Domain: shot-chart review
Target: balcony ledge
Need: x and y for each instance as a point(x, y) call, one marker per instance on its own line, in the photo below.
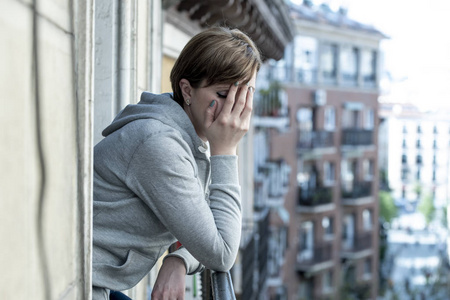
point(280, 123)
point(315, 209)
point(357, 150)
point(312, 269)
point(315, 153)
point(357, 201)
point(356, 255)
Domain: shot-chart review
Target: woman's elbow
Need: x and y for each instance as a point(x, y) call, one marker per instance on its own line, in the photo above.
point(221, 264)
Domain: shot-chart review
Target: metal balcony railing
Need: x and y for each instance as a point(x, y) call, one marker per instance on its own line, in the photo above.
point(357, 137)
point(359, 243)
point(305, 75)
point(358, 189)
point(318, 254)
point(314, 197)
point(217, 286)
point(315, 139)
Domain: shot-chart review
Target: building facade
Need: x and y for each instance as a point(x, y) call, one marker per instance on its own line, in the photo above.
point(414, 153)
point(327, 101)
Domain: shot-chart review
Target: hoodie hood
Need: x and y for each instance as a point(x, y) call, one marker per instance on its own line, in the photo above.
point(161, 107)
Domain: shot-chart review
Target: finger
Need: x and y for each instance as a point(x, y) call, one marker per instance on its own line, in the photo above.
point(210, 113)
point(247, 111)
point(229, 102)
point(241, 99)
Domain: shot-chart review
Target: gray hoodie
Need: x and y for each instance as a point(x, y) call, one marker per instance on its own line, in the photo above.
point(154, 185)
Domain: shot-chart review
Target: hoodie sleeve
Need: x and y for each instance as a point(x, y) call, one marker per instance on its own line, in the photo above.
point(163, 173)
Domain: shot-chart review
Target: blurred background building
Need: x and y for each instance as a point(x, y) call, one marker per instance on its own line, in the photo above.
point(319, 106)
point(67, 69)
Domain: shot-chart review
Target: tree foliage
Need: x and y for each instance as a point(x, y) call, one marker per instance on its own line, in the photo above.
point(388, 210)
point(426, 207)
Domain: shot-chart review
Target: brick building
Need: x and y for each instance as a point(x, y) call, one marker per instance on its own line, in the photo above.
point(324, 93)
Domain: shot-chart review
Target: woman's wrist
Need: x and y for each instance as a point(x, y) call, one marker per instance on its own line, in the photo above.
point(175, 262)
point(223, 151)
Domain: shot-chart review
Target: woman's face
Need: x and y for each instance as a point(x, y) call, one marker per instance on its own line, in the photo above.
point(201, 98)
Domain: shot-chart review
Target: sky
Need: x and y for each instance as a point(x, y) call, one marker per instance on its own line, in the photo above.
point(417, 52)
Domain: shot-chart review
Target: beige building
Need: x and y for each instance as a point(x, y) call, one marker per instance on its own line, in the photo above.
point(68, 67)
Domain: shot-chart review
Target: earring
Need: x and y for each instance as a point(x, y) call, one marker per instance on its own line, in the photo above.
point(188, 102)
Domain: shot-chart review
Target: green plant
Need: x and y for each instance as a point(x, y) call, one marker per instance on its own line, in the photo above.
point(388, 210)
point(426, 207)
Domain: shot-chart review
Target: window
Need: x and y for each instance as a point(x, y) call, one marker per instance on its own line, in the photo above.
point(330, 118)
point(418, 174)
point(306, 241)
point(404, 144)
point(404, 159)
point(327, 224)
point(305, 59)
point(367, 219)
point(368, 66)
point(370, 119)
point(327, 281)
point(367, 269)
point(349, 59)
point(348, 231)
point(368, 166)
point(306, 288)
point(419, 159)
point(329, 171)
point(305, 119)
point(418, 144)
point(329, 62)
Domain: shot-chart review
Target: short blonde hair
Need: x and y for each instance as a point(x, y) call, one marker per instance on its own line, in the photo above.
point(216, 55)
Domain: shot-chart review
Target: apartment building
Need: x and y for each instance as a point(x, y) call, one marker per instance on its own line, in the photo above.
point(323, 96)
point(69, 68)
point(414, 153)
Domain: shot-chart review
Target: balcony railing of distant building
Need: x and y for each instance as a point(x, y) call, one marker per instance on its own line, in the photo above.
point(349, 79)
point(308, 258)
point(263, 255)
point(254, 260)
point(268, 101)
point(315, 139)
point(356, 189)
point(248, 267)
point(315, 196)
point(359, 242)
point(270, 108)
point(357, 137)
point(273, 184)
point(306, 76)
point(329, 77)
point(369, 80)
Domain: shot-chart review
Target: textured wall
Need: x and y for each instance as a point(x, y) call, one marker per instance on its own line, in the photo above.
point(45, 156)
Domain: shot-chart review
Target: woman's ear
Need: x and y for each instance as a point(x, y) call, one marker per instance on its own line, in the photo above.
point(186, 89)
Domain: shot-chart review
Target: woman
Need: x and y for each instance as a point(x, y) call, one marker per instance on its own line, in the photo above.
point(154, 180)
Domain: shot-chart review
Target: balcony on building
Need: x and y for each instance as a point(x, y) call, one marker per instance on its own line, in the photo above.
point(311, 140)
point(316, 258)
point(270, 107)
point(357, 246)
point(271, 183)
point(254, 257)
point(305, 75)
point(315, 200)
point(356, 192)
point(357, 137)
